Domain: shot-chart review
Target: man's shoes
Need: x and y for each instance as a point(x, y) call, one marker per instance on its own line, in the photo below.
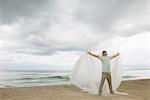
point(100, 93)
point(112, 92)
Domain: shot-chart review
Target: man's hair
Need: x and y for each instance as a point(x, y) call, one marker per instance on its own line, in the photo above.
point(104, 52)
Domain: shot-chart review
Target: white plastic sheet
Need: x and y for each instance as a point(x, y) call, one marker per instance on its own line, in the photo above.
point(87, 71)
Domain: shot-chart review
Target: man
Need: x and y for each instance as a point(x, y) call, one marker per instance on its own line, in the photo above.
point(106, 74)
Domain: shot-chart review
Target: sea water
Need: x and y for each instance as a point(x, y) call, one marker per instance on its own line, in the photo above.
point(27, 78)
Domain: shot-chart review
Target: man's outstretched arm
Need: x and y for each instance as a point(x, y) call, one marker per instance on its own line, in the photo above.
point(94, 55)
point(114, 56)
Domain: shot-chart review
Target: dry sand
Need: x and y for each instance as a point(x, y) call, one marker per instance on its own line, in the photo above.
point(137, 90)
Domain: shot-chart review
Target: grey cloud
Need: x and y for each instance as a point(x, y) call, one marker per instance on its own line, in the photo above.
point(13, 10)
point(43, 24)
point(101, 15)
point(40, 47)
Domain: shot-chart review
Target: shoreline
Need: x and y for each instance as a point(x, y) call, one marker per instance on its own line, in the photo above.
point(62, 82)
point(136, 89)
point(45, 78)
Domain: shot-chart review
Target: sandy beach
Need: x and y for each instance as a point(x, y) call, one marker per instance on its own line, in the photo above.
point(136, 89)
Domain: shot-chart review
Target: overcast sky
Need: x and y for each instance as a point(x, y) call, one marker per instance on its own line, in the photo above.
point(55, 32)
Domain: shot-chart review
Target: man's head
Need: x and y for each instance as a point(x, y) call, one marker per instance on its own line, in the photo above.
point(104, 53)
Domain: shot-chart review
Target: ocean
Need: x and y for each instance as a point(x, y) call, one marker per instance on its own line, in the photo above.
point(29, 78)
point(26, 78)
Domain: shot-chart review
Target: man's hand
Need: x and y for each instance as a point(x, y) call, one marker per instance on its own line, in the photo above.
point(88, 52)
point(94, 55)
point(115, 55)
point(118, 54)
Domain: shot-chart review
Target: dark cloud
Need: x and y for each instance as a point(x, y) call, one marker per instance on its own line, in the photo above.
point(14, 10)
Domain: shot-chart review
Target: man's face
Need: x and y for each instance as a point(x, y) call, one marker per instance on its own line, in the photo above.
point(104, 53)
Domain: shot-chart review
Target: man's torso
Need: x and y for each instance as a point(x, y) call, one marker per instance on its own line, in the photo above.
point(105, 60)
